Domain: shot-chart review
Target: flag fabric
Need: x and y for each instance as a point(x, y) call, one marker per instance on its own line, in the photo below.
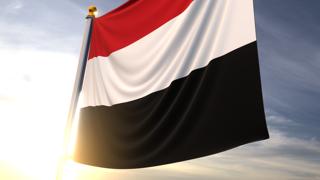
point(168, 81)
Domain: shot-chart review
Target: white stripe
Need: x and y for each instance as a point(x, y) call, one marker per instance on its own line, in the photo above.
point(207, 29)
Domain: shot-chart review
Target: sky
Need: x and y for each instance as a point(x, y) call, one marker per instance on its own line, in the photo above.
point(39, 47)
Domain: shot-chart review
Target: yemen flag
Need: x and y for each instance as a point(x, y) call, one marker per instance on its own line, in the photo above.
point(168, 81)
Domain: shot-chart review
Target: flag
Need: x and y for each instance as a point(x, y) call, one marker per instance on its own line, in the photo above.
point(168, 81)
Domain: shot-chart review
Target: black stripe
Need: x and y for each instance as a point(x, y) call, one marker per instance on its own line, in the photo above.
point(213, 109)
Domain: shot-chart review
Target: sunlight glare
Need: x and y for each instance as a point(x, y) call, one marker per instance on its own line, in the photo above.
point(34, 99)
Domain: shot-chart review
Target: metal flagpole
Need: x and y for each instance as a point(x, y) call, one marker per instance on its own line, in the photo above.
point(76, 90)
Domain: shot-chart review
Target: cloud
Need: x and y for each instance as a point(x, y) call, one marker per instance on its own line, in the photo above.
point(280, 120)
point(290, 66)
point(13, 7)
point(41, 25)
point(32, 33)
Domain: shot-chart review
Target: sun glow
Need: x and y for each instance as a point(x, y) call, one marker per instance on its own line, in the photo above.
point(35, 92)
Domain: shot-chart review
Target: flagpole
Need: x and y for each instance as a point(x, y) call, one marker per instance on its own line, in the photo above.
point(76, 89)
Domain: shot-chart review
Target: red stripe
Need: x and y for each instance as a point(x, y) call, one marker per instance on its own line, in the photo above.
point(130, 22)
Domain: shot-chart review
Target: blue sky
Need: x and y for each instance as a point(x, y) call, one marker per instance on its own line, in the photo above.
point(39, 46)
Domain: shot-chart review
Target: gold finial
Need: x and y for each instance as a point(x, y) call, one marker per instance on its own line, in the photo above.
point(92, 11)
